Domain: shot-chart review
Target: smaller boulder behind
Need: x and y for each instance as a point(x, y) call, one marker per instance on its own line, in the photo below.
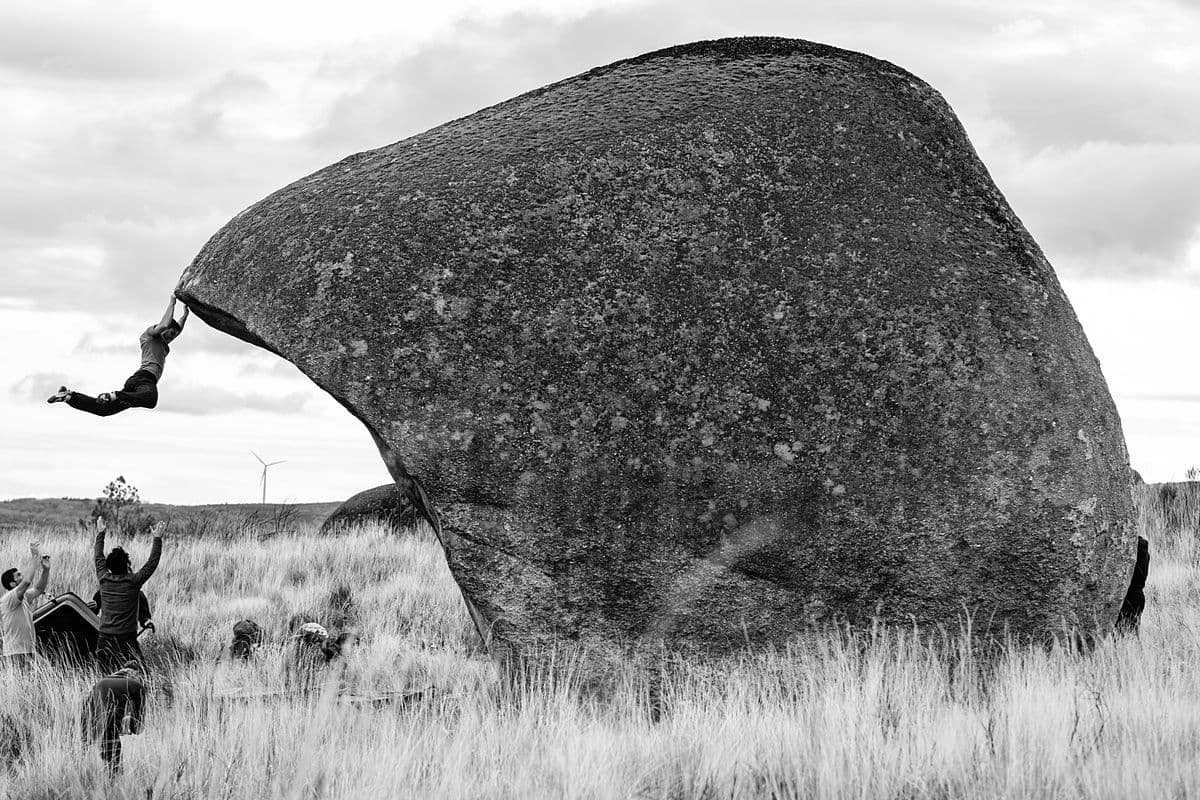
point(386, 505)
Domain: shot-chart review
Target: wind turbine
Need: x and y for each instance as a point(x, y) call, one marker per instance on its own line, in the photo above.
point(264, 475)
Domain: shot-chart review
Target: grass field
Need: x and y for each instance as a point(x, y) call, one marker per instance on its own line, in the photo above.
point(23, 514)
point(873, 715)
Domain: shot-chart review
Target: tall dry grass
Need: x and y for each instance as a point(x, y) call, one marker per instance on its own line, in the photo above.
point(878, 714)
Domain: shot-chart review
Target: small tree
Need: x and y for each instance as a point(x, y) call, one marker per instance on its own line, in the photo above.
point(120, 495)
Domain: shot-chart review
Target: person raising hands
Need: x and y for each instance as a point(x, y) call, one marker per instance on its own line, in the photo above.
point(119, 592)
point(16, 606)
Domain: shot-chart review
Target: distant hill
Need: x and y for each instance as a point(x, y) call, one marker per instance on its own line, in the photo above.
point(65, 512)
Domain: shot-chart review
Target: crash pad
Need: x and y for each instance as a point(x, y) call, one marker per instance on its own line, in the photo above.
point(66, 627)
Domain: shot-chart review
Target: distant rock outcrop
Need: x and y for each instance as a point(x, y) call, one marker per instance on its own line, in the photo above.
point(385, 505)
point(701, 347)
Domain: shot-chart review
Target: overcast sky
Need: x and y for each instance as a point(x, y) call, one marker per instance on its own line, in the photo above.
point(131, 131)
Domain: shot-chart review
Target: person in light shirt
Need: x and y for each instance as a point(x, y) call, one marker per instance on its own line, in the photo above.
point(16, 607)
point(141, 388)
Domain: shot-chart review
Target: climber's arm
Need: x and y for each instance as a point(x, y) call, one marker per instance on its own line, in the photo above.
point(167, 318)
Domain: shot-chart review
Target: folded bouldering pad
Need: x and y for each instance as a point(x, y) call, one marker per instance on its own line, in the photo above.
point(66, 627)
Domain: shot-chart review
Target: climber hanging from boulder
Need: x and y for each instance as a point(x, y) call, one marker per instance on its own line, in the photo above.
point(141, 388)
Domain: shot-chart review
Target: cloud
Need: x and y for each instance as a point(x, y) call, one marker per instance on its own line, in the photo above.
point(193, 400)
point(97, 344)
point(1166, 397)
point(207, 115)
point(479, 64)
point(35, 388)
point(111, 206)
point(1113, 209)
point(54, 42)
point(273, 367)
point(1065, 101)
point(1128, 75)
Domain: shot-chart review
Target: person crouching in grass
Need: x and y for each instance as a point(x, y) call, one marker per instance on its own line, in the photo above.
point(114, 706)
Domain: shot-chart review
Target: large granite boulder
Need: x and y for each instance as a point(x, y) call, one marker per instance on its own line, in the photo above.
point(702, 347)
point(387, 505)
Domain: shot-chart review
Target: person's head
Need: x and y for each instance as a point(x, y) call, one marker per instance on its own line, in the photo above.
point(130, 669)
point(10, 578)
point(247, 635)
point(171, 332)
point(117, 561)
point(312, 633)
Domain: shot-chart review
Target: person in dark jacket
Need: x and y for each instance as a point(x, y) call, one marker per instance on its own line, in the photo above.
point(1130, 615)
point(114, 706)
point(144, 616)
point(119, 592)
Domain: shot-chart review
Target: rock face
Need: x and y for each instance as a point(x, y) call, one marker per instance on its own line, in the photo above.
point(701, 347)
point(385, 504)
